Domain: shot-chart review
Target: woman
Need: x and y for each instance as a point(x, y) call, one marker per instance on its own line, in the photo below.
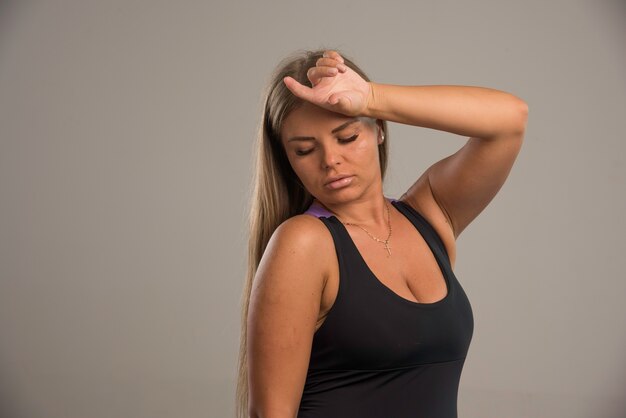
point(351, 307)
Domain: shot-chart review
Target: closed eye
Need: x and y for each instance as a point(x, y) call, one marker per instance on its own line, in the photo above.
point(352, 138)
point(342, 140)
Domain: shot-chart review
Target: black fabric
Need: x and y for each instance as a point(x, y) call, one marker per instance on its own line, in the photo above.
point(379, 355)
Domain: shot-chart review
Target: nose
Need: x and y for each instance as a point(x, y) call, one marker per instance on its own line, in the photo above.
point(331, 156)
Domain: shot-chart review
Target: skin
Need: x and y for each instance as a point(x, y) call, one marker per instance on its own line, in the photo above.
point(286, 308)
point(351, 151)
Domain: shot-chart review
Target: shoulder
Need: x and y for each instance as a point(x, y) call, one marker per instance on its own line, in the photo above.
point(303, 223)
point(301, 242)
point(303, 231)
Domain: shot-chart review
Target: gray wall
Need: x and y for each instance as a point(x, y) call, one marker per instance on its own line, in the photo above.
point(126, 130)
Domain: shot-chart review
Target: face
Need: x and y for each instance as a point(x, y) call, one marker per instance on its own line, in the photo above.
point(321, 145)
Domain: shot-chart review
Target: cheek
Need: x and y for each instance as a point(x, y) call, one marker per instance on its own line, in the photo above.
point(300, 168)
point(366, 150)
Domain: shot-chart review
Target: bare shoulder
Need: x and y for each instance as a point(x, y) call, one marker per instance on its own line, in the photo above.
point(306, 235)
point(304, 227)
point(300, 250)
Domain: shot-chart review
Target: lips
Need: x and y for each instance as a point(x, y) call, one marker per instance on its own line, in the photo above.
point(339, 182)
point(331, 179)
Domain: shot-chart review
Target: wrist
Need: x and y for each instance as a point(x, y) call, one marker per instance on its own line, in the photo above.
point(373, 100)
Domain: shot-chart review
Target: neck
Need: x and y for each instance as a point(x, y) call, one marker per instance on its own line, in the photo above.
point(370, 211)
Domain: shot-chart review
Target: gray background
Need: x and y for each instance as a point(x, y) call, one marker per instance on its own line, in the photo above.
point(126, 136)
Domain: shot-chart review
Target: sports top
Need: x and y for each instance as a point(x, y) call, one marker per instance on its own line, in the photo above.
point(379, 355)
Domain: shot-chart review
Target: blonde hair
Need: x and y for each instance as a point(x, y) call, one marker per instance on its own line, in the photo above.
point(277, 193)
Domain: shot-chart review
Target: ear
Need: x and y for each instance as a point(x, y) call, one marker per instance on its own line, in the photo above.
point(381, 133)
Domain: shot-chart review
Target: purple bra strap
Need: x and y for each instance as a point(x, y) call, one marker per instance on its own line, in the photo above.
point(318, 210)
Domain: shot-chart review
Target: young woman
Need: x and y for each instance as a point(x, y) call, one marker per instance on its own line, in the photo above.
point(351, 307)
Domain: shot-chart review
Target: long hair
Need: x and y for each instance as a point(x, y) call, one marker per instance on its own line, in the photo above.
point(276, 192)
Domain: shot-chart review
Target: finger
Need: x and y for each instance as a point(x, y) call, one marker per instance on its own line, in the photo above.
point(327, 62)
point(338, 100)
point(315, 74)
point(333, 54)
point(331, 62)
point(298, 89)
point(334, 99)
point(322, 71)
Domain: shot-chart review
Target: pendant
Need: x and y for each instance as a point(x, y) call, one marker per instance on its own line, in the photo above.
point(388, 248)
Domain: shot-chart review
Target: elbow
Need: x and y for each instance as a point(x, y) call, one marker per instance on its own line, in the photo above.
point(266, 413)
point(521, 118)
point(512, 120)
point(254, 414)
point(270, 415)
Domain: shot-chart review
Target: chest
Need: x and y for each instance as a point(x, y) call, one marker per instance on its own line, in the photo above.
point(410, 272)
point(390, 313)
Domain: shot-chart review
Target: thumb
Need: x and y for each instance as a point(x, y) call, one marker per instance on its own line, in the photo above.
point(340, 101)
point(298, 89)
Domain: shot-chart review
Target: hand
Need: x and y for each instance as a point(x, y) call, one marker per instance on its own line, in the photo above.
point(336, 86)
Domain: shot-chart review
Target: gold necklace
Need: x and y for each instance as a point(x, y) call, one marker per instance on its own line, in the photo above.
point(386, 241)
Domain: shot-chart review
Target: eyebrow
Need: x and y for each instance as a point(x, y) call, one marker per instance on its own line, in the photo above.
point(337, 129)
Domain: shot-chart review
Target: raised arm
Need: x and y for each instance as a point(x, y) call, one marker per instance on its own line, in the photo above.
point(283, 312)
point(460, 185)
point(463, 183)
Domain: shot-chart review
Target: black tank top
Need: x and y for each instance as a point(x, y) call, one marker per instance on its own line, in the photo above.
point(379, 355)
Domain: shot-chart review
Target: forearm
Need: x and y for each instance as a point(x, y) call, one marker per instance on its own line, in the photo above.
point(464, 110)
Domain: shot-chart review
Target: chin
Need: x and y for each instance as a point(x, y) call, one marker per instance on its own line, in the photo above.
point(344, 195)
